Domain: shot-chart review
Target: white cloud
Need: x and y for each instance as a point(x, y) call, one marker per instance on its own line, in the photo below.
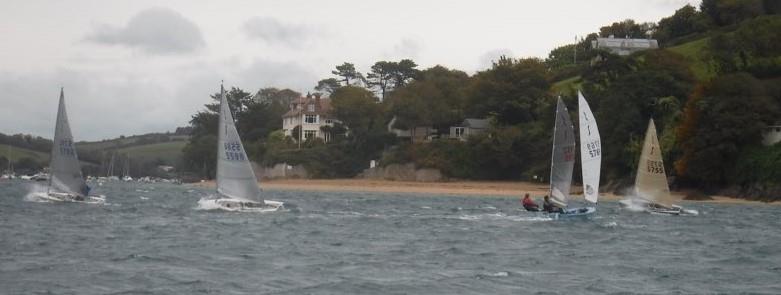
point(155, 31)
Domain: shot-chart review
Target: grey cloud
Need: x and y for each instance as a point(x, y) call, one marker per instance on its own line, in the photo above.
point(407, 48)
point(274, 32)
point(98, 106)
point(487, 59)
point(264, 73)
point(155, 31)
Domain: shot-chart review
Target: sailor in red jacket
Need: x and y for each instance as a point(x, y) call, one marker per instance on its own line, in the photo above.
point(529, 204)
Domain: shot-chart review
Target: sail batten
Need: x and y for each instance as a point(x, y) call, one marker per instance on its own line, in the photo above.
point(651, 179)
point(64, 169)
point(563, 156)
point(590, 150)
point(235, 177)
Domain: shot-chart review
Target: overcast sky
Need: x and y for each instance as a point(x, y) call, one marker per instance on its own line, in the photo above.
point(132, 67)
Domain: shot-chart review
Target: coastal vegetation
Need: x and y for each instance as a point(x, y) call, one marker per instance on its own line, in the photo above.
point(712, 88)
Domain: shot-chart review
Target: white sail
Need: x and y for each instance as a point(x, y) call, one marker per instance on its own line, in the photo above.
point(235, 178)
point(651, 180)
point(590, 150)
point(64, 169)
point(563, 157)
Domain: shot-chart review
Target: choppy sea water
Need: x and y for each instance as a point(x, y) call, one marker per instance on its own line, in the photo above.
point(150, 239)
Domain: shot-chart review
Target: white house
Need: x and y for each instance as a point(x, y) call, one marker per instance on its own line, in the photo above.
point(311, 113)
point(772, 135)
point(469, 127)
point(624, 46)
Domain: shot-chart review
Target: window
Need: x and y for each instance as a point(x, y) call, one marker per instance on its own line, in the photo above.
point(329, 121)
point(311, 107)
point(327, 136)
point(309, 134)
point(311, 119)
point(459, 131)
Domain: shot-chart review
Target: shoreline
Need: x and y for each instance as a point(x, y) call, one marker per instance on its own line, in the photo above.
point(457, 188)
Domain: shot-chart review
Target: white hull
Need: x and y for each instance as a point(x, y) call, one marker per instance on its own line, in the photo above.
point(639, 205)
point(63, 197)
point(234, 205)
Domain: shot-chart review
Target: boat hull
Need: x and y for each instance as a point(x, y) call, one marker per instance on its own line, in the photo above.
point(65, 197)
point(649, 207)
point(235, 205)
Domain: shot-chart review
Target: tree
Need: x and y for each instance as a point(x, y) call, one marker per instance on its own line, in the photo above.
point(328, 85)
point(357, 108)
point(437, 98)
point(727, 12)
point(686, 20)
point(279, 96)
point(381, 75)
point(404, 73)
point(348, 73)
point(627, 28)
point(729, 117)
point(511, 90)
point(625, 92)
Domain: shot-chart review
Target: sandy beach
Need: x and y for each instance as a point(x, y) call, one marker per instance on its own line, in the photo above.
point(461, 188)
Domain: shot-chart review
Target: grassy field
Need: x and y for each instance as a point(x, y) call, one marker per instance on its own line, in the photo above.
point(567, 86)
point(18, 153)
point(170, 152)
point(694, 52)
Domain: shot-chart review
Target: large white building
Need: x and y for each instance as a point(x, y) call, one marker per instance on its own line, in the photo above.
point(311, 113)
point(624, 46)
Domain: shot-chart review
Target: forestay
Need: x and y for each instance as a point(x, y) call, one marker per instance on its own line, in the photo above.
point(590, 150)
point(651, 180)
point(235, 177)
point(563, 157)
point(64, 169)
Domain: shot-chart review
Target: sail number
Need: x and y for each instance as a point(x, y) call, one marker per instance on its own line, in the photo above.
point(655, 166)
point(66, 148)
point(233, 151)
point(594, 149)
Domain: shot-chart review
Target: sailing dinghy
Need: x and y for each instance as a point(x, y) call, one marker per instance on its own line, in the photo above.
point(652, 193)
point(563, 163)
point(66, 183)
point(237, 187)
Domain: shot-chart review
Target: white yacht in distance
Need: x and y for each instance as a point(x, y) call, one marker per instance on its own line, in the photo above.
point(237, 186)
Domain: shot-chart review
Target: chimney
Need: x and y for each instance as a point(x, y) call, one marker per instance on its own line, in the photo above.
point(317, 102)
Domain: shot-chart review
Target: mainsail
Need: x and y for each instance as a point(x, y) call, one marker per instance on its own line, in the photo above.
point(563, 158)
point(590, 150)
point(235, 177)
point(64, 169)
point(651, 181)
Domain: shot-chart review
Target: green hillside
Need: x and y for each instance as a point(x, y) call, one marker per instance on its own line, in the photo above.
point(17, 153)
point(169, 152)
point(695, 53)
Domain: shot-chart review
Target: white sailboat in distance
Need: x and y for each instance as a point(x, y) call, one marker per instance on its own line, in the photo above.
point(652, 193)
point(66, 182)
point(237, 186)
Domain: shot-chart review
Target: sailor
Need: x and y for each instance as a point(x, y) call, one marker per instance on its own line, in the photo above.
point(529, 204)
point(549, 207)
